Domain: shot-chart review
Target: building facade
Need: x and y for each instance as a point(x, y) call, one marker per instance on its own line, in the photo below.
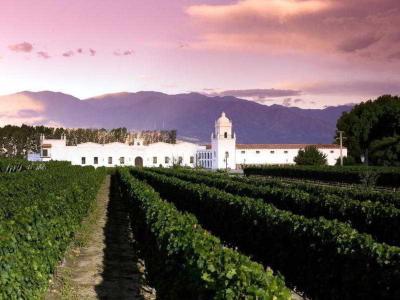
point(222, 153)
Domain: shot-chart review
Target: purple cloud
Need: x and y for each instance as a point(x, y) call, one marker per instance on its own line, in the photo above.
point(394, 56)
point(43, 54)
point(259, 93)
point(287, 102)
point(358, 43)
point(363, 88)
point(123, 53)
point(21, 47)
point(352, 27)
point(69, 53)
point(79, 50)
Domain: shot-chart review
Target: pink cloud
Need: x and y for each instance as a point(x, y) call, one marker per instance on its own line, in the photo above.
point(69, 53)
point(19, 109)
point(21, 47)
point(123, 53)
point(367, 28)
point(43, 54)
point(79, 50)
point(258, 94)
point(365, 87)
point(92, 52)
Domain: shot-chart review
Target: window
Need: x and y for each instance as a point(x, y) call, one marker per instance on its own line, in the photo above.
point(272, 152)
point(122, 160)
point(95, 160)
point(166, 160)
point(332, 151)
point(180, 160)
point(258, 152)
point(243, 152)
point(45, 152)
point(154, 159)
point(192, 160)
point(110, 160)
point(226, 154)
point(226, 135)
point(286, 152)
point(83, 160)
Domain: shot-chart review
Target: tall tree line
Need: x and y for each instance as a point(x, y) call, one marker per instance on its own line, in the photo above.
point(372, 131)
point(17, 141)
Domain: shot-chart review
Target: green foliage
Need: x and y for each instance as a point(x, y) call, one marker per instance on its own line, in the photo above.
point(310, 156)
point(380, 220)
point(187, 262)
point(356, 192)
point(386, 176)
point(347, 161)
point(325, 259)
point(369, 122)
point(39, 213)
point(386, 151)
point(10, 165)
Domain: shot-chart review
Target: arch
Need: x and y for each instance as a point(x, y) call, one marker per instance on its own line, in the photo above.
point(138, 161)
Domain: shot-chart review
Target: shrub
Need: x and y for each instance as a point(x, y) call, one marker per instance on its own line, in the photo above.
point(310, 156)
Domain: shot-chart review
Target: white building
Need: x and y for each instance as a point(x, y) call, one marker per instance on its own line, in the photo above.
point(223, 152)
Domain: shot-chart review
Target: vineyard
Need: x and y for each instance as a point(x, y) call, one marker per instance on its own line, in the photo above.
point(204, 235)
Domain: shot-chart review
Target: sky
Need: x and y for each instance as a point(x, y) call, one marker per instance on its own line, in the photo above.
point(306, 53)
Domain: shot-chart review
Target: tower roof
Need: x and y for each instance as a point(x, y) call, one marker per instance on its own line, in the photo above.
point(223, 120)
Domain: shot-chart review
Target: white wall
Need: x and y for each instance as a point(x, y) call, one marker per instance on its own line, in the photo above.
point(219, 147)
point(59, 151)
point(280, 156)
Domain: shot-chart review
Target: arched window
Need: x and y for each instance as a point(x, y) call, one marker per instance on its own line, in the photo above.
point(226, 135)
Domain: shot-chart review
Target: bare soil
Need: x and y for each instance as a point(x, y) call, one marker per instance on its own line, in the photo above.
point(103, 264)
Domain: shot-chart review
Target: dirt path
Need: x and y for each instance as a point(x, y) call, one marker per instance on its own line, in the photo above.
point(106, 267)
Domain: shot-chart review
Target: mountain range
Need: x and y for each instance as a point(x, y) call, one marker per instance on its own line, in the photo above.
point(192, 115)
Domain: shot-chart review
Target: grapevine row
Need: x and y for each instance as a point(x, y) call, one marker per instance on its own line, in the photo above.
point(380, 220)
point(40, 212)
point(325, 259)
point(187, 262)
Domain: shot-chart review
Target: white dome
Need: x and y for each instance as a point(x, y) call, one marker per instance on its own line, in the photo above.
point(223, 120)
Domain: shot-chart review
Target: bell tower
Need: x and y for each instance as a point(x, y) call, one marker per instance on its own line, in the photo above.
point(223, 144)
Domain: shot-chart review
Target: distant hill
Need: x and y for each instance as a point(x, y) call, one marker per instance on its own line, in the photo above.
point(192, 114)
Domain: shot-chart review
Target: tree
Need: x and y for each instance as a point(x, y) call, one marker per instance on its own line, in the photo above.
point(386, 151)
point(347, 161)
point(368, 122)
point(310, 156)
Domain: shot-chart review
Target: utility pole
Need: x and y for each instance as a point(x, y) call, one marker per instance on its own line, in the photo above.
point(341, 147)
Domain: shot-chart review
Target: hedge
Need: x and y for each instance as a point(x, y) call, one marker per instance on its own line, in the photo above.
point(40, 212)
point(187, 262)
point(325, 259)
point(385, 176)
point(380, 220)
